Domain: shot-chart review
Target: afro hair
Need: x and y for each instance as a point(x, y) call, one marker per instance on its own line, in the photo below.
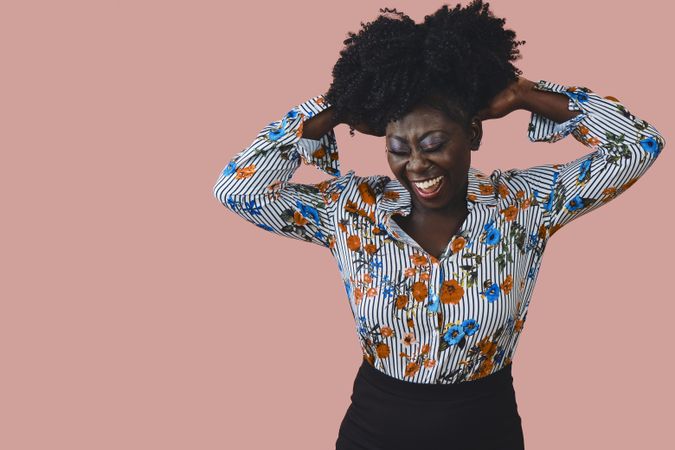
point(457, 60)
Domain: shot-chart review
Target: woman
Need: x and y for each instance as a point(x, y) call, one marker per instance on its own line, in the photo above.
point(439, 263)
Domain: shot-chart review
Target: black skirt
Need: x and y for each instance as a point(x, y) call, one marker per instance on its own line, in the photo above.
point(389, 414)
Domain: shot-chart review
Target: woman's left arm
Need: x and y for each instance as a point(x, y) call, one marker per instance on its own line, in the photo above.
point(624, 145)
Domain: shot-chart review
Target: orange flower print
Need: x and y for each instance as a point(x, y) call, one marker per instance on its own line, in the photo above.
point(425, 349)
point(342, 227)
point(401, 301)
point(503, 190)
point(418, 259)
point(583, 129)
point(367, 193)
point(353, 243)
point(382, 350)
point(628, 184)
point(520, 194)
point(519, 325)
point(487, 347)
point(298, 219)
point(335, 156)
point(370, 248)
point(411, 369)
point(245, 172)
point(367, 278)
point(391, 195)
point(411, 323)
point(471, 197)
point(386, 331)
point(510, 213)
point(525, 204)
point(429, 363)
point(451, 292)
point(593, 141)
point(371, 292)
point(457, 244)
point(486, 189)
point(410, 272)
point(507, 285)
point(409, 339)
point(542, 231)
point(553, 229)
point(419, 291)
point(424, 276)
point(484, 369)
point(319, 153)
point(351, 206)
point(358, 295)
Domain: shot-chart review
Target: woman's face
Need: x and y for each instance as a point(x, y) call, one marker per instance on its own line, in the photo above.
point(428, 145)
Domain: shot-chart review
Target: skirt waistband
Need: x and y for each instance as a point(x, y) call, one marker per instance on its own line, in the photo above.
point(500, 381)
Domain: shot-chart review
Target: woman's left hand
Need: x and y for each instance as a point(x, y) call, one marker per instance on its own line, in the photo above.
point(508, 100)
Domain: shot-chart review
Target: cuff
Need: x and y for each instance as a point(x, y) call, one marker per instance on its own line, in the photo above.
point(543, 129)
point(322, 152)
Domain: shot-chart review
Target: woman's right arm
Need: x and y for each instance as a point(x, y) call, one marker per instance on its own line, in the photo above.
point(256, 185)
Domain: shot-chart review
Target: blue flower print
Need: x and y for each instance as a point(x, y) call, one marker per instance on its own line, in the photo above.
point(348, 288)
point(493, 236)
point(434, 303)
point(581, 96)
point(584, 169)
point(498, 357)
point(308, 211)
point(375, 263)
point(454, 334)
point(276, 133)
point(264, 226)
point(292, 114)
point(251, 208)
point(362, 327)
point(651, 145)
point(575, 203)
point(230, 169)
point(470, 326)
point(233, 203)
point(492, 293)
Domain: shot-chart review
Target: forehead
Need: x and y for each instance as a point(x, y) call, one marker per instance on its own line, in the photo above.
point(419, 120)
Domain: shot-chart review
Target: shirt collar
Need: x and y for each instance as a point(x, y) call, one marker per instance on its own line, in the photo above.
point(396, 198)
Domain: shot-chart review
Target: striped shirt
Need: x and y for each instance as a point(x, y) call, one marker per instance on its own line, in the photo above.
point(458, 317)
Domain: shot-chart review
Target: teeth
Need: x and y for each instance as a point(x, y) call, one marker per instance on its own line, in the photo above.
point(429, 183)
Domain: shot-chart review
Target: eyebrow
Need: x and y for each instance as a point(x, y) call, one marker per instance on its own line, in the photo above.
point(399, 138)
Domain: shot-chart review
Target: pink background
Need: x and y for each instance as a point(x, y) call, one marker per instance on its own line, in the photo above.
point(137, 313)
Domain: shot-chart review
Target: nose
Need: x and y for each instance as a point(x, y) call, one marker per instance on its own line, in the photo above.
point(417, 163)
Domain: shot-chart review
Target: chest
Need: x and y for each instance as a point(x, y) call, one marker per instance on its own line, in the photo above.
point(432, 236)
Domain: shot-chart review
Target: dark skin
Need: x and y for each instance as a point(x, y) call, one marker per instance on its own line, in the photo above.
point(423, 145)
point(426, 143)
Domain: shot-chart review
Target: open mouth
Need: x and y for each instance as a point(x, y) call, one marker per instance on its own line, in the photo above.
point(429, 188)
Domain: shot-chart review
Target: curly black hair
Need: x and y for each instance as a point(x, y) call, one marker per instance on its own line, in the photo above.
point(457, 60)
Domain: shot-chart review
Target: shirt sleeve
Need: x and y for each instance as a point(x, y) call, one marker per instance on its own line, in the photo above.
point(624, 147)
point(255, 183)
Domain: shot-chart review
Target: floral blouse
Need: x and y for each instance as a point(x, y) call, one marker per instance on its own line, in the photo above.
point(459, 317)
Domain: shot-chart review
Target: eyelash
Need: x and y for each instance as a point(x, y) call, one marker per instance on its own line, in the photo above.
point(432, 149)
